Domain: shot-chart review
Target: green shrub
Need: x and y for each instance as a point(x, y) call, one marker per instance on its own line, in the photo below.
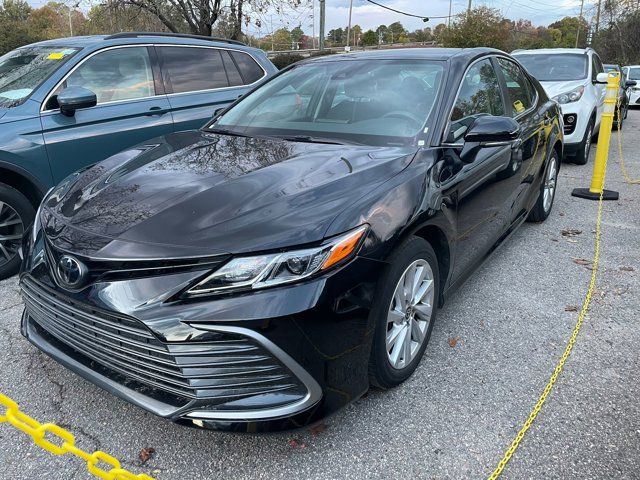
point(285, 59)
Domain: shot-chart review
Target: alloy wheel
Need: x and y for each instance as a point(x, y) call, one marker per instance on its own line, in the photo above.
point(11, 230)
point(410, 313)
point(550, 184)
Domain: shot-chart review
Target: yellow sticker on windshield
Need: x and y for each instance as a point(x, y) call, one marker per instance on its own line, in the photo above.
point(518, 106)
point(56, 56)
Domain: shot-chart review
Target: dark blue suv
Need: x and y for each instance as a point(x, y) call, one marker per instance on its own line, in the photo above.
point(69, 103)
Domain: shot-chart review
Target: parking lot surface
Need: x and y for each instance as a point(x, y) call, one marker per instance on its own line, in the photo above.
point(491, 353)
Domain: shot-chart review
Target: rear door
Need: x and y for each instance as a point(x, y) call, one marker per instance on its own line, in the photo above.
point(131, 109)
point(199, 80)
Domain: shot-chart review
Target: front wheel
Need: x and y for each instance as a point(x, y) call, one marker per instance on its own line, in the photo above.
point(16, 214)
point(544, 203)
point(404, 312)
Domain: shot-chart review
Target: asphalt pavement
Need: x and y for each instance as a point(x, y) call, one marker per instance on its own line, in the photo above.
point(491, 353)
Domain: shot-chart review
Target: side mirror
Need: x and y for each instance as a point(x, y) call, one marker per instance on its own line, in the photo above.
point(74, 98)
point(488, 131)
point(602, 77)
point(630, 83)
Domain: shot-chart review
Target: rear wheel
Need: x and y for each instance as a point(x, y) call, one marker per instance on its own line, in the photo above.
point(582, 155)
point(16, 214)
point(544, 203)
point(404, 312)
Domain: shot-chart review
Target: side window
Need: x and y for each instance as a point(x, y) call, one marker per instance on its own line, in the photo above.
point(519, 90)
point(118, 74)
point(479, 95)
point(232, 71)
point(191, 69)
point(249, 69)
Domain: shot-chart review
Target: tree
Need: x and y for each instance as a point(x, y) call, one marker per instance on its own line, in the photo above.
point(569, 28)
point(421, 35)
point(297, 35)
point(282, 39)
point(479, 26)
point(336, 36)
point(396, 33)
point(369, 38)
point(13, 17)
point(618, 40)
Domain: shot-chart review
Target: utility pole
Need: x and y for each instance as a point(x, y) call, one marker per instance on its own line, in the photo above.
point(579, 22)
point(313, 17)
point(469, 7)
point(349, 27)
point(70, 22)
point(449, 17)
point(322, 21)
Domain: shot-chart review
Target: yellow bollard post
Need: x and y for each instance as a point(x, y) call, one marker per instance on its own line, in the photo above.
point(604, 139)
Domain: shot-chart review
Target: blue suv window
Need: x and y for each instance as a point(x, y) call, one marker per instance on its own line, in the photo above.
point(23, 70)
point(114, 75)
point(192, 69)
point(250, 70)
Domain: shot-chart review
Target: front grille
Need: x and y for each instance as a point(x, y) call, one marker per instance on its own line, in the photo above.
point(226, 369)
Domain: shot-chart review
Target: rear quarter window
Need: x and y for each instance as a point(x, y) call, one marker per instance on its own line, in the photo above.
point(249, 69)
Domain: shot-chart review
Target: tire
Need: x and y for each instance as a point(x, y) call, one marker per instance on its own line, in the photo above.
point(417, 321)
point(544, 203)
point(16, 214)
point(582, 155)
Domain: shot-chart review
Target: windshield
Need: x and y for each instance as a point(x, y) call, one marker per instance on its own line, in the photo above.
point(633, 73)
point(555, 67)
point(24, 69)
point(381, 102)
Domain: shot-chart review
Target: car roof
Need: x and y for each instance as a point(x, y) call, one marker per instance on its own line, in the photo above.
point(550, 51)
point(96, 41)
point(425, 53)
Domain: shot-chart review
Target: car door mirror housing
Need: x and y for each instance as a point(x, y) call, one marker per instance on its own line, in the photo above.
point(630, 83)
point(488, 131)
point(602, 77)
point(74, 98)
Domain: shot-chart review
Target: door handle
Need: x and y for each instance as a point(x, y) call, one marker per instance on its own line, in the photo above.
point(155, 112)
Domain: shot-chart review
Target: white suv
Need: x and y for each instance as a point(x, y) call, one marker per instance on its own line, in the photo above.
point(632, 72)
point(570, 76)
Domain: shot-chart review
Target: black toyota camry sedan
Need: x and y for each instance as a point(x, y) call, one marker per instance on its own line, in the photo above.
point(264, 271)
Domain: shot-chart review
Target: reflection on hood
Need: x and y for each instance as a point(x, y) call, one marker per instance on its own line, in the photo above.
point(216, 194)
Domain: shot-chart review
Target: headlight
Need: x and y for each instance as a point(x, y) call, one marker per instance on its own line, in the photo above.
point(267, 270)
point(572, 96)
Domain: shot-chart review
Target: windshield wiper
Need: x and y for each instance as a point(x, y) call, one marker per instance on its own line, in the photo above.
point(226, 131)
point(311, 139)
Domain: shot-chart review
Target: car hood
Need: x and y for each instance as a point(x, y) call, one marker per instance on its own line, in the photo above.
point(557, 88)
point(198, 193)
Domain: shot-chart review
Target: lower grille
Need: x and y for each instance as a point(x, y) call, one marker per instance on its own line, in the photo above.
point(229, 368)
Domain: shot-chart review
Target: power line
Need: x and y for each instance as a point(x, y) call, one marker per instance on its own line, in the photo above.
point(424, 18)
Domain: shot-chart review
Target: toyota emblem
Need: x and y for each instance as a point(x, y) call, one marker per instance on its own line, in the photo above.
point(71, 272)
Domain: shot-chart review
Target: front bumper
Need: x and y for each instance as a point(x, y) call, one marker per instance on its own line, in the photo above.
point(268, 360)
point(634, 97)
point(573, 136)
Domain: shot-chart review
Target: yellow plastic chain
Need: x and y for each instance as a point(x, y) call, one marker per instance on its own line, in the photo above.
point(567, 351)
point(38, 432)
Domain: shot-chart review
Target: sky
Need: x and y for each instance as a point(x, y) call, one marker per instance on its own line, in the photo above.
point(371, 16)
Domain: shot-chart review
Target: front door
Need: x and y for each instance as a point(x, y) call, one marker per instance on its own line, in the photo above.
point(482, 188)
point(130, 110)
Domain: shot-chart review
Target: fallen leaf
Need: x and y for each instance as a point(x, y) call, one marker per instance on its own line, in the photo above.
point(571, 308)
point(570, 232)
point(588, 264)
point(317, 429)
point(295, 444)
point(555, 240)
point(627, 269)
point(453, 341)
point(561, 214)
point(145, 454)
